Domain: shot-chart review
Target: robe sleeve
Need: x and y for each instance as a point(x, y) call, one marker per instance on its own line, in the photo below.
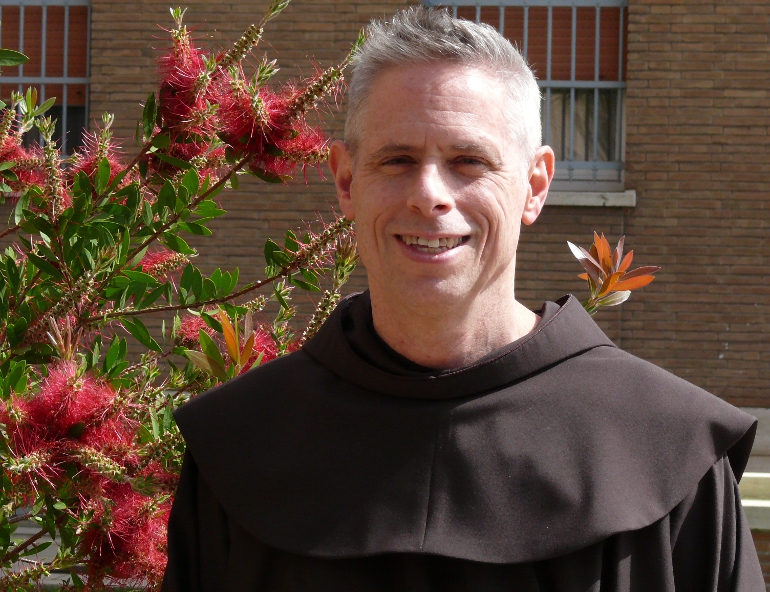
point(198, 538)
point(712, 548)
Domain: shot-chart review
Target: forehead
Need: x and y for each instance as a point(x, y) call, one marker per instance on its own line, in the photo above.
point(435, 103)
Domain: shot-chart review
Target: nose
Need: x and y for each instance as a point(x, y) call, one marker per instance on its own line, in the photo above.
point(431, 195)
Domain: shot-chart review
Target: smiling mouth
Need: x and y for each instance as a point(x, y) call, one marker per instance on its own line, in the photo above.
point(432, 245)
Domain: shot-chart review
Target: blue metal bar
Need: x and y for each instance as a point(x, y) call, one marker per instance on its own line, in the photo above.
point(501, 25)
point(525, 42)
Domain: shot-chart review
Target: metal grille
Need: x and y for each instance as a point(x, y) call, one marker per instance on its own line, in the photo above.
point(55, 34)
point(577, 49)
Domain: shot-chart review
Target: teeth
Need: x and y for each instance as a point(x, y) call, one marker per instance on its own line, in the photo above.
point(433, 243)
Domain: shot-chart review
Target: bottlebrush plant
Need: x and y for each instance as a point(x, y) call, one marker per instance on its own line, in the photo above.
point(89, 449)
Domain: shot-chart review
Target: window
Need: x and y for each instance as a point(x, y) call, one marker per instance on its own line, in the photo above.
point(577, 49)
point(54, 34)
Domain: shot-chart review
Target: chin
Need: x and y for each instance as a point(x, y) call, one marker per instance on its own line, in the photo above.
point(435, 293)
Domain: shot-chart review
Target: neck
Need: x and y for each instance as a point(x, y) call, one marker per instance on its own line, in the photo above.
point(445, 335)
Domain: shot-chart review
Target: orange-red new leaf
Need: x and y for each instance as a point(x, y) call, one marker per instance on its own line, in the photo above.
point(646, 270)
point(626, 263)
point(583, 276)
point(634, 283)
point(609, 284)
point(248, 349)
point(230, 340)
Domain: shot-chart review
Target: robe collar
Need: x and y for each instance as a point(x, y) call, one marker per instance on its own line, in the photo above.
point(565, 333)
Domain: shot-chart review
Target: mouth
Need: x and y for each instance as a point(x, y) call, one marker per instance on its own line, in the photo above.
point(432, 245)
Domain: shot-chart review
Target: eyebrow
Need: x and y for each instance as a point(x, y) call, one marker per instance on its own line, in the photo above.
point(470, 147)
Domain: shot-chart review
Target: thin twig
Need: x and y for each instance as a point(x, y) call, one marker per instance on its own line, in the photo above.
point(20, 518)
point(10, 230)
point(132, 313)
point(18, 549)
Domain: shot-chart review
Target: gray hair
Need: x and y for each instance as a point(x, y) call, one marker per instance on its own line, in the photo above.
point(422, 35)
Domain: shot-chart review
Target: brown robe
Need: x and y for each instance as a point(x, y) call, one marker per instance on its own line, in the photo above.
point(557, 463)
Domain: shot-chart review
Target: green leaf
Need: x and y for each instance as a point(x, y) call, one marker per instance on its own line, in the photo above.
point(191, 182)
point(281, 258)
point(209, 347)
point(44, 107)
point(161, 141)
point(136, 327)
point(4, 166)
point(290, 242)
point(115, 354)
point(208, 209)
point(150, 298)
point(44, 266)
point(177, 244)
point(116, 181)
point(194, 228)
point(149, 115)
point(270, 249)
point(166, 197)
point(206, 364)
point(102, 178)
point(304, 285)
point(267, 177)
point(139, 276)
point(9, 57)
point(172, 160)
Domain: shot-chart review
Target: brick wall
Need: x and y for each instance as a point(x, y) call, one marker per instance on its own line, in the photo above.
point(697, 153)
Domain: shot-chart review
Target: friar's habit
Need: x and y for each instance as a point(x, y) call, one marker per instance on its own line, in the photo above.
point(557, 463)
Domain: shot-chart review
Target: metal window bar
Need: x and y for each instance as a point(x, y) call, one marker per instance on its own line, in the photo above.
point(592, 132)
point(65, 81)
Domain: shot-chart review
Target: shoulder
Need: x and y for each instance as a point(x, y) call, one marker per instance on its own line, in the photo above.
point(248, 393)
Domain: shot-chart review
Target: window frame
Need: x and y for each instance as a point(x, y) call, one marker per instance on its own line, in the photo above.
point(23, 81)
point(572, 191)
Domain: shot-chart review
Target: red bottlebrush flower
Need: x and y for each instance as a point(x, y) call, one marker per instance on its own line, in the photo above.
point(127, 535)
point(66, 401)
point(184, 87)
point(188, 333)
point(250, 124)
point(88, 157)
point(113, 437)
point(29, 164)
point(160, 263)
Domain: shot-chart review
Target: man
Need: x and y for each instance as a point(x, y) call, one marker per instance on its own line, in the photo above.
point(436, 435)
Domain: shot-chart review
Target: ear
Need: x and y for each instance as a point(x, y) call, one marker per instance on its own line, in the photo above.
point(341, 164)
point(540, 177)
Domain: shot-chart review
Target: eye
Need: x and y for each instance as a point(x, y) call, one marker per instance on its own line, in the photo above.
point(469, 161)
point(397, 160)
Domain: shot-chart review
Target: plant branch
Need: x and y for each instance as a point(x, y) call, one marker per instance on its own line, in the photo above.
point(10, 230)
point(284, 272)
point(193, 204)
point(11, 556)
point(20, 518)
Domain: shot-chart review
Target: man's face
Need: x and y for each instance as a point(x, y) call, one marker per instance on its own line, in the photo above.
point(437, 186)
